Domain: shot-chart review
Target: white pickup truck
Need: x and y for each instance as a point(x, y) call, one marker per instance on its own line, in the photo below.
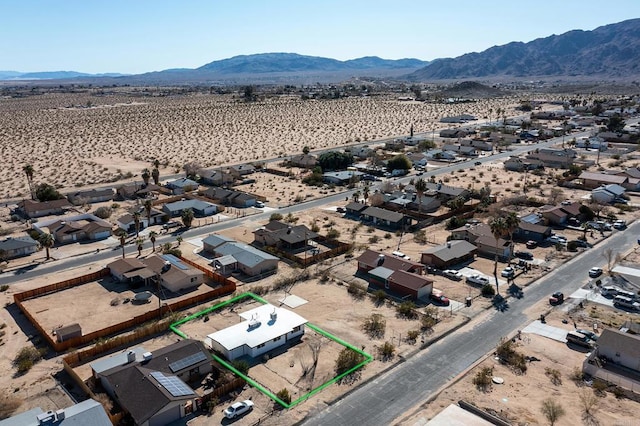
point(477, 280)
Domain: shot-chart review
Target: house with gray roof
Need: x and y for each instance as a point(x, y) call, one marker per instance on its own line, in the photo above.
point(18, 247)
point(341, 178)
point(182, 185)
point(607, 194)
point(200, 208)
point(451, 253)
point(245, 258)
point(91, 196)
point(155, 390)
point(213, 241)
point(216, 177)
point(33, 209)
point(240, 170)
point(283, 235)
point(86, 413)
point(385, 218)
point(229, 197)
point(481, 236)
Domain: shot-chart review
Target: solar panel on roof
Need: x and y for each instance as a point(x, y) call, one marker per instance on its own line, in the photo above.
point(175, 261)
point(172, 384)
point(187, 361)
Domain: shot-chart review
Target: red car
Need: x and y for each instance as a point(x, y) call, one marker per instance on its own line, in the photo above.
point(439, 299)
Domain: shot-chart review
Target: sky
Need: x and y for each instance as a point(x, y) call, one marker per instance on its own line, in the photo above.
point(136, 36)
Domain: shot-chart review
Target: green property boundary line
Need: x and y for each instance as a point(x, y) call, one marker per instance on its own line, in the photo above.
point(367, 357)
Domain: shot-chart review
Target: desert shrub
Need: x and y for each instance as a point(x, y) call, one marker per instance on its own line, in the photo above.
point(412, 335)
point(387, 236)
point(275, 216)
point(599, 387)
point(554, 375)
point(241, 365)
point(488, 290)
point(284, 395)
point(406, 310)
point(315, 227)
point(420, 237)
point(506, 351)
point(375, 326)
point(379, 296)
point(103, 212)
point(427, 322)
point(260, 290)
point(4, 287)
point(386, 351)
point(348, 359)
point(333, 234)
point(483, 378)
point(8, 404)
point(34, 234)
point(572, 246)
point(374, 239)
point(357, 290)
point(552, 410)
point(619, 392)
point(27, 357)
point(577, 376)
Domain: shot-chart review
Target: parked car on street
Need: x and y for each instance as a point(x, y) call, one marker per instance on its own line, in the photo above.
point(531, 244)
point(452, 274)
point(620, 224)
point(595, 272)
point(238, 409)
point(439, 299)
point(526, 255)
point(556, 298)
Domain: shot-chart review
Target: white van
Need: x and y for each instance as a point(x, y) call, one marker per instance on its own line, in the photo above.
point(579, 339)
point(625, 302)
point(609, 290)
point(628, 294)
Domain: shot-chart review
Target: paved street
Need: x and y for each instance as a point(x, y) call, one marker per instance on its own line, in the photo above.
point(394, 394)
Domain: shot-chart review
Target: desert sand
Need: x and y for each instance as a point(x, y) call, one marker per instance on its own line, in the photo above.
point(80, 139)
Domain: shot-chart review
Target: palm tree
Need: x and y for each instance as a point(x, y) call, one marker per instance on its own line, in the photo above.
point(356, 196)
point(511, 222)
point(187, 217)
point(136, 220)
point(365, 192)
point(148, 205)
point(28, 170)
point(146, 175)
point(123, 241)
point(46, 240)
point(155, 174)
point(139, 242)
point(152, 237)
point(421, 187)
point(498, 227)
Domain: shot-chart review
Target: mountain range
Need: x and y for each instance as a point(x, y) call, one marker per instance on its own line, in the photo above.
point(608, 52)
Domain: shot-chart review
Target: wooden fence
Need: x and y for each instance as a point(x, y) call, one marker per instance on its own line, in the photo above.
point(305, 261)
point(227, 286)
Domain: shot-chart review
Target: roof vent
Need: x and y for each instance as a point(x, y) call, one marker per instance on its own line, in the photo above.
point(147, 356)
point(273, 315)
point(60, 414)
point(131, 356)
point(448, 244)
point(165, 267)
point(380, 259)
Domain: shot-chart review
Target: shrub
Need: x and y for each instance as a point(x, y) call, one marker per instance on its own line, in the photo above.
point(406, 310)
point(103, 212)
point(379, 296)
point(386, 351)
point(483, 378)
point(552, 410)
point(8, 404)
point(284, 395)
point(554, 375)
point(488, 290)
point(374, 239)
point(4, 287)
point(577, 376)
point(333, 234)
point(241, 365)
point(347, 359)
point(375, 326)
point(357, 290)
point(599, 387)
point(275, 216)
point(412, 335)
point(27, 357)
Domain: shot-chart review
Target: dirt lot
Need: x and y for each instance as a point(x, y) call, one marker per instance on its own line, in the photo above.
point(520, 397)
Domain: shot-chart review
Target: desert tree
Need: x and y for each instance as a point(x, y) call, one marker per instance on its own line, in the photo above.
point(498, 228)
point(155, 174)
point(152, 238)
point(552, 410)
point(365, 192)
point(511, 223)
point(136, 220)
point(46, 240)
point(123, 240)
point(146, 175)
point(29, 171)
point(421, 188)
point(148, 206)
point(139, 242)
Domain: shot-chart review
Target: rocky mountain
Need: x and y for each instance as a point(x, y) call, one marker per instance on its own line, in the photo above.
point(50, 75)
point(610, 51)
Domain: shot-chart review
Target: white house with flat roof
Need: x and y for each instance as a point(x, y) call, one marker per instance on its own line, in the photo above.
point(263, 329)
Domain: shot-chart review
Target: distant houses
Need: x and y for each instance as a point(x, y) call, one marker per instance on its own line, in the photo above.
point(200, 208)
point(34, 209)
point(18, 247)
point(164, 269)
point(232, 256)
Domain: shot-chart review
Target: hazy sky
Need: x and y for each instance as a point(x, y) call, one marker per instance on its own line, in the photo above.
point(135, 36)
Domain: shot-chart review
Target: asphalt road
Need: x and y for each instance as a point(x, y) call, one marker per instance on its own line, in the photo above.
point(394, 394)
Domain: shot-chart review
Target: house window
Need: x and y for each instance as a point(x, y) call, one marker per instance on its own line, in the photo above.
point(297, 328)
point(194, 279)
point(386, 285)
point(261, 345)
point(277, 338)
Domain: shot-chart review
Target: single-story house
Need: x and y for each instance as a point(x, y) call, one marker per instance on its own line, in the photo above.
point(371, 259)
point(554, 158)
point(33, 209)
point(593, 180)
point(424, 204)
point(607, 193)
point(127, 222)
point(213, 241)
point(517, 164)
point(439, 154)
point(91, 196)
point(18, 247)
point(560, 214)
point(620, 348)
point(182, 185)
point(263, 329)
point(530, 231)
point(283, 235)
point(481, 236)
point(169, 270)
point(200, 208)
point(453, 133)
point(385, 218)
point(240, 170)
point(72, 230)
point(87, 412)
point(452, 253)
point(445, 192)
point(401, 283)
point(467, 151)
point(355, 208)
point(229, 197)
point(133, 190)
point(477, 144)
point(245, 258)
point(361, 152)
point(154, 391)
point(418, 159)
point(215, 177)
point(306, 161)
point(341, 178)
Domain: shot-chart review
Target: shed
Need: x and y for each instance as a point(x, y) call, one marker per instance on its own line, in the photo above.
point(68, 332)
